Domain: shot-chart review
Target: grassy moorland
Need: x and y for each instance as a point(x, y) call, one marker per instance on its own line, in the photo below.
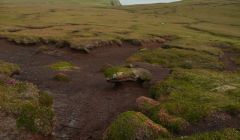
point(89, 23)
point(201, 47)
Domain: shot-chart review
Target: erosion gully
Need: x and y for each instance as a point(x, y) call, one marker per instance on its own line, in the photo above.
point(86, 104)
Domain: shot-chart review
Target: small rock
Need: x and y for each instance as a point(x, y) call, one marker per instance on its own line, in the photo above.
point(224, 88)
point(142, 74)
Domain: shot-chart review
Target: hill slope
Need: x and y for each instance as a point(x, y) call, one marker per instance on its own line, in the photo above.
point(48, 2)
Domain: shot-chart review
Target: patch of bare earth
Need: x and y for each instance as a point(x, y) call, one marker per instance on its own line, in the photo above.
point(214, 122)
point(86, 104)
point(228, 56)
point(227, 59)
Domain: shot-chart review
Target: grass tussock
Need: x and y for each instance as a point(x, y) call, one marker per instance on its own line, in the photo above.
point(27, 23)
point(174, 57)
point(134, 125)
point(62, 66)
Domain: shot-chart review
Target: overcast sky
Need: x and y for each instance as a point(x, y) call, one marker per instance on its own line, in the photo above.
point(129, 2)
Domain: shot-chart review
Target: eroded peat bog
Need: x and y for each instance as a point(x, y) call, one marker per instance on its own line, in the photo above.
point(92, 70)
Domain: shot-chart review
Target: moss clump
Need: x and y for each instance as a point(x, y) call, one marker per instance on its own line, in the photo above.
point(62, 66)
point(8, 68)
point(186, 59)
point(61, 77)
point(195, 94)
point(134, 125)
point(227, 134)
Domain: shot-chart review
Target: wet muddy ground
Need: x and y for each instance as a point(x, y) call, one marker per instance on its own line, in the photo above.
point(86, 104)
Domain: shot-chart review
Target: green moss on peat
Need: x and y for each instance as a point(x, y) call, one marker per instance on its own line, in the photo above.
point(134, 125)
point(62, 66)
point(194, 94)
point(174, 57)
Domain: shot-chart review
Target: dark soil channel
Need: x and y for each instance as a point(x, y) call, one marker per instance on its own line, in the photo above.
point(87, 104)
point(227, 59)
point(214, 122)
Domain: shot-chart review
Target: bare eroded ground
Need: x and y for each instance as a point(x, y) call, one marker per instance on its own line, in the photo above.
point(87, 104)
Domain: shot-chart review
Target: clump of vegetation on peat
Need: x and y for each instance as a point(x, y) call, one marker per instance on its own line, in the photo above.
point(173, 57)
point(62, 66)
point(23, 102)
point(195, 94)
point(134, 125)
point(8, 68)
point(123, 73)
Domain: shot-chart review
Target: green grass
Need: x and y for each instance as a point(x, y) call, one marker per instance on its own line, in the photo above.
point(62, 66)
point(29, 21)
point(174, 57)
point(195, 94)
point(133, 125)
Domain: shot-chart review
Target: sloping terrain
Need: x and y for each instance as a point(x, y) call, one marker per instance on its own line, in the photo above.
point(64, 2)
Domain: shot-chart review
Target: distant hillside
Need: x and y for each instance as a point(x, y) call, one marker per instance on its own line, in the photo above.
point(84, 2)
